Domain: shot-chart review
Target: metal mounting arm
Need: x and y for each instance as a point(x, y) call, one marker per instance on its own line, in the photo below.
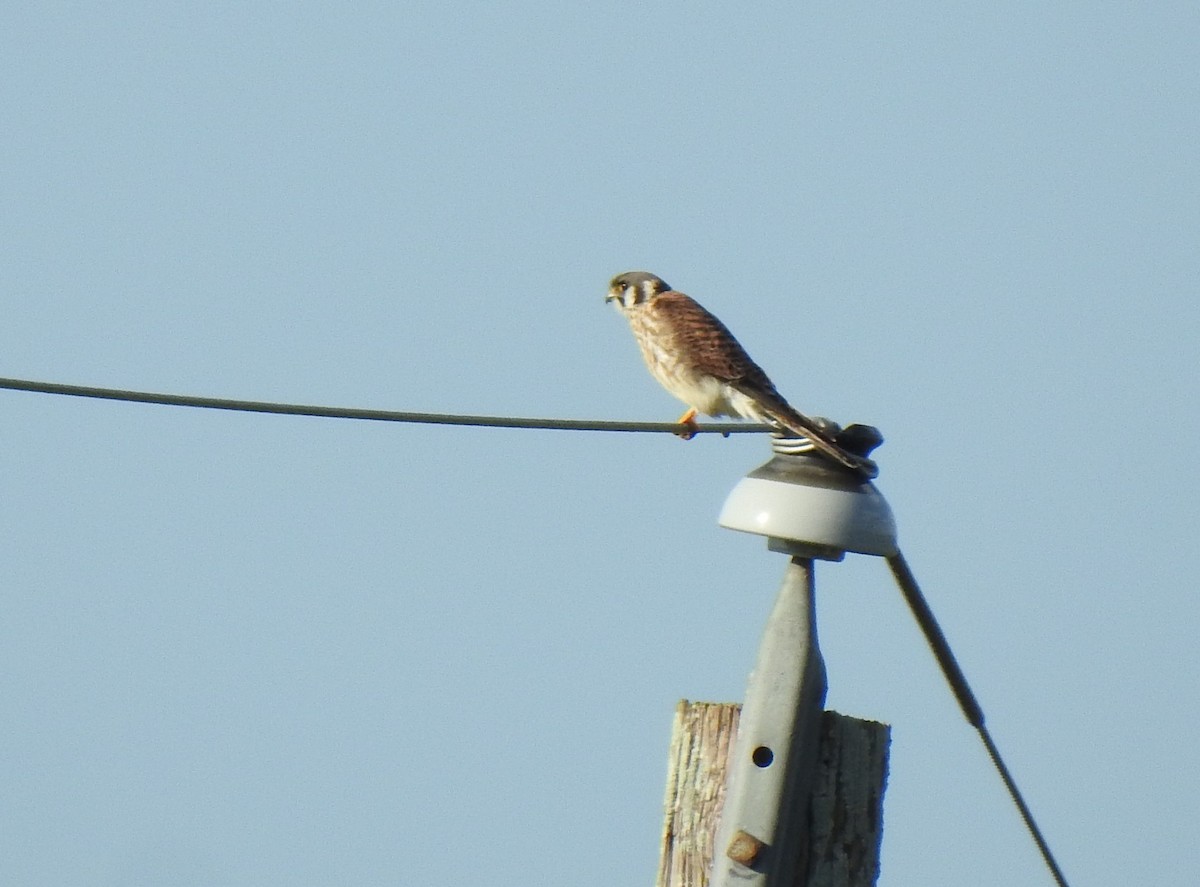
point(762, 832)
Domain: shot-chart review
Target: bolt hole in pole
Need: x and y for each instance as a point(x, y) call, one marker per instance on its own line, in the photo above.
point(762, 756)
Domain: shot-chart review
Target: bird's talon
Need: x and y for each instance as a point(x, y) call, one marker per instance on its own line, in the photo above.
point(688, 421)
point(688, 431)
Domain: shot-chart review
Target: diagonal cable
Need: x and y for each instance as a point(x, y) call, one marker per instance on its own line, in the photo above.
point(294, 409)
point(966, 699)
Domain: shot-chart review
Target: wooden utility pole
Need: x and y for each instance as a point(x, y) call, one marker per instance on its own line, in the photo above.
point(845, 811)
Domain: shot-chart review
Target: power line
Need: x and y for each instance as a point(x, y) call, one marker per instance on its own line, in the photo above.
point(900, 569)
point(966, 700)
point(294, 409)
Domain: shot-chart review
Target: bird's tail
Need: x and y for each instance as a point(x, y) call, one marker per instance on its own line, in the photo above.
point(791, 419)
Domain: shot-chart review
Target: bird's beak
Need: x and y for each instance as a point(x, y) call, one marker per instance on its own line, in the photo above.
point(609, 298)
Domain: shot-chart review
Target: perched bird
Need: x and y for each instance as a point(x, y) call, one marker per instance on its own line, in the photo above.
point(695, 357)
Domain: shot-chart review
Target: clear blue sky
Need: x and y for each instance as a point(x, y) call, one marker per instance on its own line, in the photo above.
point(255, 650)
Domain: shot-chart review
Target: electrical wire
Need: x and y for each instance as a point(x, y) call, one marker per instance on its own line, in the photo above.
point(292, 409)
point(899, 566)
point(966, 699)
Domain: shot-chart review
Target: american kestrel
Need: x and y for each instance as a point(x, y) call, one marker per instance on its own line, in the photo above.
point(695, 357)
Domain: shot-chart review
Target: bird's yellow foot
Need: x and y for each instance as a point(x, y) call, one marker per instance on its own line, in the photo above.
point(688, 421)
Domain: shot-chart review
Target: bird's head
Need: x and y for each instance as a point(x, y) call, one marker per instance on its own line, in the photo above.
point(635, 288)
